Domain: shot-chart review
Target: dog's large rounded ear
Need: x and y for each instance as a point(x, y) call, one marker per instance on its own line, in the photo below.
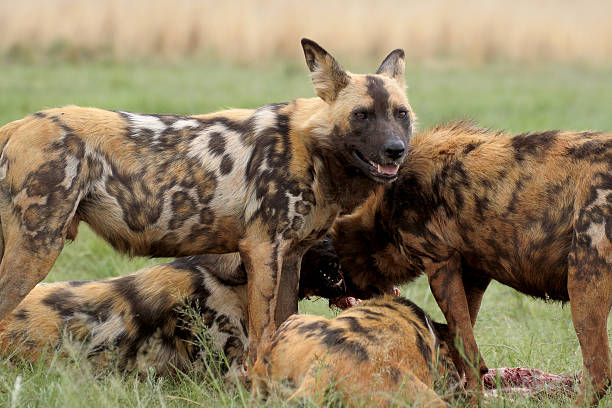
point(393, 66)
point(328, 77)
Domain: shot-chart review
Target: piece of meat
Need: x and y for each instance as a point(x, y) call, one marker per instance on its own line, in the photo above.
point(529, 382)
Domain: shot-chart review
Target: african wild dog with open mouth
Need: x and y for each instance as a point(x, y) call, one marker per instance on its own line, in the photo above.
point(267, 182)
point(160, 317)
point(383, 351)
point(532, 211)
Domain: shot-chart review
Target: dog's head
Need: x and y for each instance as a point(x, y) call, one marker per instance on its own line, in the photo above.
point(371, 119)
point(320, 273)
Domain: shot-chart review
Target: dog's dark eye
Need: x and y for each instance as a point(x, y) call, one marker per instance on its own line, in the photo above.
point(361, 115)
point(402, 114)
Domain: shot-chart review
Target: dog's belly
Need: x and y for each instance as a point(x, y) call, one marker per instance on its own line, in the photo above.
point(543, 275)
point(169, 225)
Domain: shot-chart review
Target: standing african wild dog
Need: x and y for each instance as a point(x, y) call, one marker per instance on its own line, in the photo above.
point(142, 320)
point(532, 211)
point(383, 351)
point(267, 182)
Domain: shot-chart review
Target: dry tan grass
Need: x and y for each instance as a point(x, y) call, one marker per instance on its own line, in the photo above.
point(527, 30)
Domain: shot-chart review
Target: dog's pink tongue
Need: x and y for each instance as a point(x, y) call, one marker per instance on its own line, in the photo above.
point(390, 169)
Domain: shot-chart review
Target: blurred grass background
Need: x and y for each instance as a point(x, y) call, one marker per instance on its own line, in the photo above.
point(520, 66)
point(249, 31)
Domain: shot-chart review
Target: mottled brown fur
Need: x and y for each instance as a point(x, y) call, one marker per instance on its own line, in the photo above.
point(266, 182)
point(383, 350)
point(158, 317)
point(532, 211)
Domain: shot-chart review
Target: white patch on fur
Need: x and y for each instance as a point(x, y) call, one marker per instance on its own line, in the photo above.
point(431, 330)
point(3, 170)
point(146, 122)
point(167, 212)
point(107, 331)
point(264, 118)
point(231, 191)
point(292, 200)
point(185, 123)
point(602, 198)
point(225, 300)
point(252, 206)
point(198, 147)
point(72, 164)
point(23, 200)
point(107, 207)
point(597, 231)
point(599, 240)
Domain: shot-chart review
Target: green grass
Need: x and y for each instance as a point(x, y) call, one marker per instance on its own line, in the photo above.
point(512, 329)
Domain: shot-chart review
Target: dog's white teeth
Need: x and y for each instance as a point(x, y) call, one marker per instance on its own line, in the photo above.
point(378, 167)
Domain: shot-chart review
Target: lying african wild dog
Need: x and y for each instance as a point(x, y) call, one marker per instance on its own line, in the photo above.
point(532, 211)
point(383, 351)
point(267, 182)
point(152, 318)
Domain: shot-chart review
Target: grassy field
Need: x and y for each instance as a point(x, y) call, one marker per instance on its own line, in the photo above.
point(512, 329)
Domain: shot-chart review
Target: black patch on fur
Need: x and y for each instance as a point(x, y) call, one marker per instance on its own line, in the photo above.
point(357, 328)
point(394, 374)
point(78, 283)
point(146, 318)
point(63, 301)
point(417, 311)
point(378, 92)
point(372, 313)
point(46, 178)
point(481, 204)
point(533, 143)
point(591, 150)
point(470, 147)
point(21, 314)
point(337, 340)
point(183, 208)
point(423, 347)
point(226, 165)
point(216, 143)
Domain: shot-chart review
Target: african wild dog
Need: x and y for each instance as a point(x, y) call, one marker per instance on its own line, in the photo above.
point(143, 321)
point(532, 211)
point(267, 182)
point(384, 350)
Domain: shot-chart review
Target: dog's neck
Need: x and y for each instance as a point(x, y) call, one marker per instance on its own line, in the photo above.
point(346, 186)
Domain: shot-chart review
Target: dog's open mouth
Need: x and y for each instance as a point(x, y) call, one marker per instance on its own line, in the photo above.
point(386, 171)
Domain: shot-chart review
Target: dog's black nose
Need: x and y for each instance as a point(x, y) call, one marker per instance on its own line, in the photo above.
point(394, 149)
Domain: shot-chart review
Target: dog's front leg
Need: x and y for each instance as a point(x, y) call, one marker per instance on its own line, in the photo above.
point(272, 269)
point(447, 287)
point(287, 296)
point(262, 276)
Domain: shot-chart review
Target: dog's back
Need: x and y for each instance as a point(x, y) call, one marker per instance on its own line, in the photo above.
point(384, 350)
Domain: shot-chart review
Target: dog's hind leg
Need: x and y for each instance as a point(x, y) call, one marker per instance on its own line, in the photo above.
point(27, 260)
point(590, 293)
point(446, 285)
point(34, 231)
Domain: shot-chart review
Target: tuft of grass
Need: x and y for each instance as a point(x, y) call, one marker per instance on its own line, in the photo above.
point(512, 329)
